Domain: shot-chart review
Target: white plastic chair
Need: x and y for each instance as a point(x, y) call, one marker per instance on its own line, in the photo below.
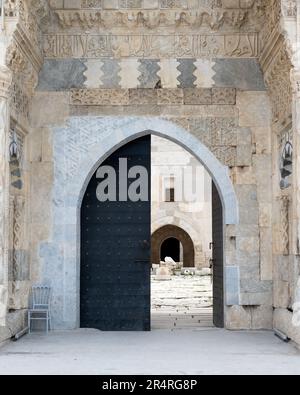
point(40, 310)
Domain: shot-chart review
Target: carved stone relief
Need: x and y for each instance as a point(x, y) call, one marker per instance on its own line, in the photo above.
point(151, 46)
point(18, 228)
point(279, 83)
point(284, 224)
point(286, 158)
point(289, 8)
point(126, 97)
point(10, 8)
point(18, 263)
point(19, 100)
point(16, 152)
point(230, 19)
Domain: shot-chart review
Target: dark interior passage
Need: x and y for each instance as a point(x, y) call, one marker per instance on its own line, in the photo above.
point(170, 248)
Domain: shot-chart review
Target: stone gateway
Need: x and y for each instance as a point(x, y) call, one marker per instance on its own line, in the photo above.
point(80, 80)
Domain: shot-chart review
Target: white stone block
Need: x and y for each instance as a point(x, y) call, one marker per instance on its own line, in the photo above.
point(169, 73)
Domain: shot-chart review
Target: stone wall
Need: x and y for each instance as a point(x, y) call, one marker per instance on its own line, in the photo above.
point(202, 73)
point(230, 131)
point(193, 64)
point(20, 61)
point(279, 61)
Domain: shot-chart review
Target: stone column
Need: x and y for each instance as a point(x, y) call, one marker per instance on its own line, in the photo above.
point(5, 82)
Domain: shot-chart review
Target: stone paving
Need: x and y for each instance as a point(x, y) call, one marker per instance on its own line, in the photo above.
point(196, 351)
point(182, 302)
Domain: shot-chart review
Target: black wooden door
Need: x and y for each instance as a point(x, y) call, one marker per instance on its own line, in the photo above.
point(115, 251)
point(218, 260)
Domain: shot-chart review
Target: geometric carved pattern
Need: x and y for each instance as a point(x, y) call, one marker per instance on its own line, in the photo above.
point(85, 133)
point(100, 97)
point(279, 83)
point(284, 215)
point(219, 135)
point(17, 209)
point(275, 59)
point(126, 97)
point(77, 141)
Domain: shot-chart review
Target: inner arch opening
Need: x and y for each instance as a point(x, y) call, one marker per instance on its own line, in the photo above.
point(171, 248)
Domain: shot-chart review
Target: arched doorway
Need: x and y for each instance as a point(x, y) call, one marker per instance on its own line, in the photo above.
point(103, 137)
point(171, 247)
point(173, 232)
point(115, 247)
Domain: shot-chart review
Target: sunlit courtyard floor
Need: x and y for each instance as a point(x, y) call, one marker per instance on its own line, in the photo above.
point(182, 302)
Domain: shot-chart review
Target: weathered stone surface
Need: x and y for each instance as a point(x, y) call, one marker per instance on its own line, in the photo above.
point(244, 155)
point(201, 128)
point(263, 166)
point(59, 75)
point(256, 298)
point(197, 96)
point(282, 294)
point(244, 175)
point(249, 265)
point(224, 132)
point(109, 97)
point(224, 96)
point(93, 73)
point(262, 317)
point(226, 155)
point(168, 73)
point(243, 74)
point(238, 317)
point(204, 73)
point(16, 321)
point(247, 195)
point(257, 317)
point(110, 69)
point(283, 321)
point(148, 73)
point(142, 96)
point(129, 73)
point(254, 108)
point(252, 286)
point(232, 285)
point(56, 104)
point(266, 254)
point(187, 68)
point(170, 97)
point(262, 140)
